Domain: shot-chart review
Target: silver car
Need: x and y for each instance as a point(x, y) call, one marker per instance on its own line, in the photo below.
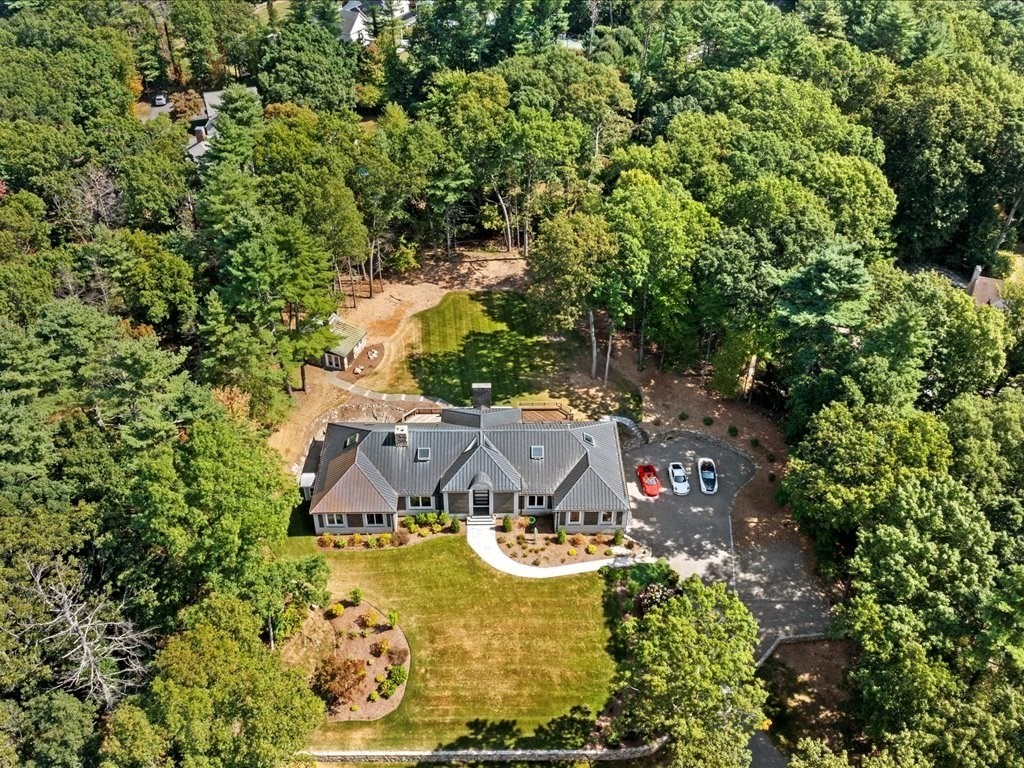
point(708, 475)
point(677, 476)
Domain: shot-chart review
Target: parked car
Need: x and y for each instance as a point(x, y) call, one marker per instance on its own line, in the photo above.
point(708, 475)
point(677, 476)
point(160, 100)
point(647, 477)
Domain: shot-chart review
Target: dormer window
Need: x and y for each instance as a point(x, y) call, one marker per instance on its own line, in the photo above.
point(351, 439)
point(589, 439)
point(423, 454)
point(537, 452)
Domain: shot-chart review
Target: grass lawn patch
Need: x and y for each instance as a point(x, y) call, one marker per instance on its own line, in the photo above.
point(496, 661)
point(486, 336)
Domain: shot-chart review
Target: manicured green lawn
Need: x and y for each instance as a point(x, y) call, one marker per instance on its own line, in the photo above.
point(496, 660)
point(488, 336)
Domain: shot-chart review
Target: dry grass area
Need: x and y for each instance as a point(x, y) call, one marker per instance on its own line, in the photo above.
point(806, 692)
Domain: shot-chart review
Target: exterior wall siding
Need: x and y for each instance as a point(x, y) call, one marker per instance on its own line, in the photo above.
point(504, 504)
point(458, 504)
point(356, 524)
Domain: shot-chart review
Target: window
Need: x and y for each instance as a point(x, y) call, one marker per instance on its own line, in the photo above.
point(607, 518)
point(536, 451)
point(575, 518)
point(536, 502)
point(375, 520)
point(589, 439)
point(422, 454)
point(351, 439)
point(421, 502)
point(335, 520)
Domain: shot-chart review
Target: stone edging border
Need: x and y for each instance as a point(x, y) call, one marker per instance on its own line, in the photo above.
point(486, 756)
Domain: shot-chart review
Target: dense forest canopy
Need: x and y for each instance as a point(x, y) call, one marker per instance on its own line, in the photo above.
point(738, 184)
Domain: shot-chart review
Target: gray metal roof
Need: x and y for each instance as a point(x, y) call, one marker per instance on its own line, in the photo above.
point(578, 474)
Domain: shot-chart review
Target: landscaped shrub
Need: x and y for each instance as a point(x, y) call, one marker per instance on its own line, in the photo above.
point(373, 696)
point(754, 442)
point(335, 680)
point(770, 457)
point(423, 531)
point(733, 431)
point(354, 708)
point(396, 676)
point(771, 477)
point(509, 545)
point(401, 538)
point(356, 540)
point(356, 596)
point(571, 552)
point(536, 561)
point(410, 523)
point(577, 539)
point(398, 656)
point(561, 537)
point(436, 528)
point(371, 542)
point(340, 543)
point(521, 539)
point(326, 540)
point(444, 519)
point(684, 416)
point(657, 421)
point(370, 619)
point(384, 540)
point(617, 538)
point(506, 523)
point(392, 619)
point(708, 421)
point(454, 525)
point(591, 549)
point(381, 677)
point(335, 611)
point(381, 647)
point(427, 519)
point(608, 553)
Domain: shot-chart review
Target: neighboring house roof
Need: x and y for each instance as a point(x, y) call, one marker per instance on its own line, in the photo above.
point(354, 26)
point(986, 290)
point(581, 466)
point(348, 335)
point(207, 120)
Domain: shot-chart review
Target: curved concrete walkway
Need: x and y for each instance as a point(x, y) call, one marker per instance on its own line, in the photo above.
point(484, 541)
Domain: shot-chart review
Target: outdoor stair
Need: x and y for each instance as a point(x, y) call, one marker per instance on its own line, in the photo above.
point(480, 520)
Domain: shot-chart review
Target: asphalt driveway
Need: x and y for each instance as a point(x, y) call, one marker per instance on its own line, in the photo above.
point(692, 532)
point(774, 577)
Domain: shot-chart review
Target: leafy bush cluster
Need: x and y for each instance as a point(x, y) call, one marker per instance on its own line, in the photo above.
point(336, 679)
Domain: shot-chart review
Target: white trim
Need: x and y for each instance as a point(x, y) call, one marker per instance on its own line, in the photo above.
point(331, 520)
point(410, 506)
point(543, 502)
point(569, 518)
point(366, 520)
point(606, 517)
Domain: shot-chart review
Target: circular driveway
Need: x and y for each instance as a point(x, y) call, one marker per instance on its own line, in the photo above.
point(693, 532)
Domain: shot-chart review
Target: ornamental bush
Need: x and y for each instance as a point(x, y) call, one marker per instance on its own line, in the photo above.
point(356, 596)
point(326, 540)
point(617, 539)
point(454, 525)
point(561, 537)
point(506, 523)
point(335, 611)
point(336, 679)
point(384, 540)
point(708, 421)
point(591, 549)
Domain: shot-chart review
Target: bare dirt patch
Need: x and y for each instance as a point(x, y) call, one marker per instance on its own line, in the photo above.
point(360, 632)
point(806, 692)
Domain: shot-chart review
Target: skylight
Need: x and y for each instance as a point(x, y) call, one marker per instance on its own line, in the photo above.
point(536, 451)
point(589, 439)
point(351, 439)
point(423, 454)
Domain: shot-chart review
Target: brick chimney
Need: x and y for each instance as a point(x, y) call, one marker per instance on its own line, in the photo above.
point(481, 395)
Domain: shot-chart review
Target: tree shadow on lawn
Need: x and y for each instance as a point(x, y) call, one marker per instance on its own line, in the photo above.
point(510, 361)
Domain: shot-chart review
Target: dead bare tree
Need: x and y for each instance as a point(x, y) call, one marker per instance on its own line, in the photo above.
point(93, 199)
point(105, 657)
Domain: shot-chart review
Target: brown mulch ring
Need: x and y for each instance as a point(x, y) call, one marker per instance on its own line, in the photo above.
point(384, 540)
point(543, 549)
point(807, 694)
point(360, 632)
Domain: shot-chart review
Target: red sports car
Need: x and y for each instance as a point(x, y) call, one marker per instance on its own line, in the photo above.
point(647, 476)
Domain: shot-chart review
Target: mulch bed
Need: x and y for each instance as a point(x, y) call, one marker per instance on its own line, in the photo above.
point(347, 636)
point(407, 540)
point(543, 549)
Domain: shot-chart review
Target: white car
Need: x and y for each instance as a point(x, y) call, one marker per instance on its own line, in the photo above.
point(677, 476)
point(160, 100)
point(708, 475)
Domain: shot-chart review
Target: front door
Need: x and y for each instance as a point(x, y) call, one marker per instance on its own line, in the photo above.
point(481, 503)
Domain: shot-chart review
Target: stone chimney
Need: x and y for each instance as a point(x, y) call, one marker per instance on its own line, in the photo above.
point(481, 395)
point(200, 133)
point(974, 280)
point(401, 435)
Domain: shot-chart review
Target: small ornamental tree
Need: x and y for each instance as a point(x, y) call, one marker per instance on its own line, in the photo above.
point(336, 680)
